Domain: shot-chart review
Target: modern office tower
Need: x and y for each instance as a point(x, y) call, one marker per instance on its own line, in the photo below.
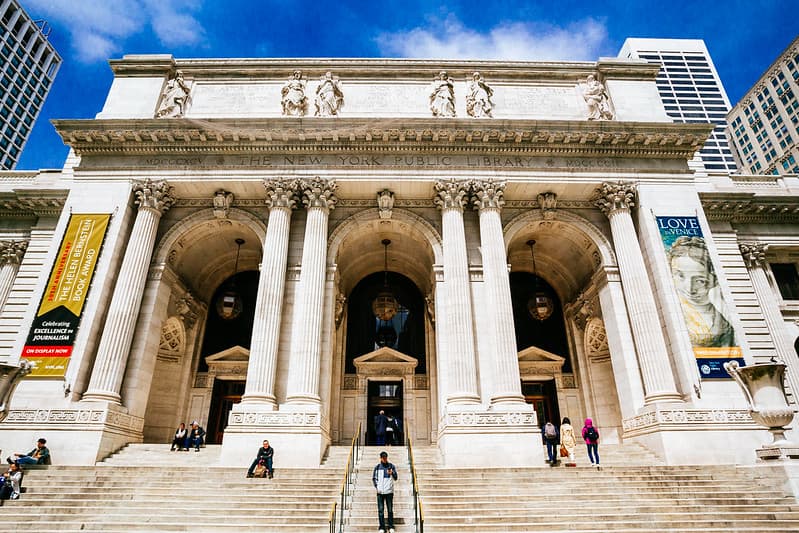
point(30, 64)
point(764, 125)
point(691, 91)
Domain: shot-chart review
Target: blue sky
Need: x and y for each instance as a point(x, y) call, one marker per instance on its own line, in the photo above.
point(744, 37)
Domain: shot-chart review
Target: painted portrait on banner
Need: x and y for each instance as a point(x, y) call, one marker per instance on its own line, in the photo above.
point(704, 309)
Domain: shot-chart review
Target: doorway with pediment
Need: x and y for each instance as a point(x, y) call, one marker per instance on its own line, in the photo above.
point(385, 326)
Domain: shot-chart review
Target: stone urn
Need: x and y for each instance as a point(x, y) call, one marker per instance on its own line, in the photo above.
point(10, 376)
point(763, 386)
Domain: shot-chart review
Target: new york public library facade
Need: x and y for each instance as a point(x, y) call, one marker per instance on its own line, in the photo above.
point(281, 248)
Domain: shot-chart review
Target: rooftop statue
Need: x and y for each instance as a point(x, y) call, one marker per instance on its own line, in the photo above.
point(478, 97)
point(596, 97)
point(442, 96)
point(294, 102)
point(329, 96)
point(174, 98)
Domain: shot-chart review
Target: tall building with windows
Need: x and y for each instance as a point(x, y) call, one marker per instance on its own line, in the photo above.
point(691, 91)
point(764, 125)
point(30, 64)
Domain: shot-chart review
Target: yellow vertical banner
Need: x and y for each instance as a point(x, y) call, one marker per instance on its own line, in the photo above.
point(55, 325)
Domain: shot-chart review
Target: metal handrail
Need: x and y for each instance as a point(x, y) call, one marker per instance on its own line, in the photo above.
point(418, 513)
point(336, 516)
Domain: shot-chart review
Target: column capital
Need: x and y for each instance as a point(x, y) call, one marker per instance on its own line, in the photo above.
point(12, 251)
point(488, 194)
point(451, 194)
point(281, 193)
point(754, 253)
point(318, 192)
point(614, 196)
point(153, 194)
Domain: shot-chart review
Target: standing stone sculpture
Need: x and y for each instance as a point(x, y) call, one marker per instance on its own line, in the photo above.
point(329, 96)
point(385, 203)
point(174, 98)
point(10, 376)
point(442, 96)
point(294, 102)
point(478, 97)
point(596, 98)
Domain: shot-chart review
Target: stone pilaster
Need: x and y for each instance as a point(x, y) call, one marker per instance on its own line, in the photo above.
point(318, 196)
point(260, 389)
point(153, 199)
point(488, 199)
point(451, 197)
point(11, 253)
point(754, 255)
point(616, 200)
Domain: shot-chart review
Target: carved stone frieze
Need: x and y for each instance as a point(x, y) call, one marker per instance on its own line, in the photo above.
point(281, 193)
point(421, 383)
point(186, 308)
point(273, 418)
point(614, 196)
point(488, 193)
point(596, 341)
point(681, 419)
point(153, 194)
point(74, 417)
point(567, 381)
point(750, 209)
point(754, 253)
point(350, 382)
point(488, 419)
point(12, 252)
point(451, 194)
point(318, 192)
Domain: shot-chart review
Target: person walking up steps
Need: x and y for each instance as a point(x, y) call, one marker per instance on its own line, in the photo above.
point(591, 438)
point(383, 477)
point(568, 440)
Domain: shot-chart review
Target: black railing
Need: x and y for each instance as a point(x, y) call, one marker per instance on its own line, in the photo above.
point(418, 513)
point(336, 516)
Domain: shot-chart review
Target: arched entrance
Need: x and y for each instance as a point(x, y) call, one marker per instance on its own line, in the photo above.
point(199, 258)
point(386, 365)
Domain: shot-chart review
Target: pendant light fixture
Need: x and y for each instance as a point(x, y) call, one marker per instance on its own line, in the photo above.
point(540, 306)
point(229, 305)
point(385, 305)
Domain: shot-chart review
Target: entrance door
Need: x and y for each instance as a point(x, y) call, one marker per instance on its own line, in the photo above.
point(226, 393)
point(384, 396)
point(541, 394)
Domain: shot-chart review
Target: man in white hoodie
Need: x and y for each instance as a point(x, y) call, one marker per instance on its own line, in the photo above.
point(383, 478)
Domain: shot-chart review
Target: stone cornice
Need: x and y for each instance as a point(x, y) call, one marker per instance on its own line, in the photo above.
point(321, 135)
point(32, 203)
point(160, 65)
point(748, 207)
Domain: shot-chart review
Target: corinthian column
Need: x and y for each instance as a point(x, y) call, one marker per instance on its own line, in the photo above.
point(318, 196)
point(153, 199)
point(488, 199)
point(615, 200)
point(260, 389)
point(11, 253)
point(451, 197)
point(754, 255)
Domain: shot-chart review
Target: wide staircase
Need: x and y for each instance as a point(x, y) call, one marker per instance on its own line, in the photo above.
point(148, 488)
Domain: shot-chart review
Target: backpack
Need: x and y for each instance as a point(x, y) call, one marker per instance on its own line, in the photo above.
point(591, 434)
point(549, 431)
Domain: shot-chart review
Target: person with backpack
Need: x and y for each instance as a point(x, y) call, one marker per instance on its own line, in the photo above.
point(591, 438)
point(550, 434)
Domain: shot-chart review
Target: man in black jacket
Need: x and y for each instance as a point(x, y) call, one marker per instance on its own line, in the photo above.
point(265, 454)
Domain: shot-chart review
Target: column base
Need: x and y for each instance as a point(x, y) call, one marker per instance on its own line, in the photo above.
point(299, 438)
point(82, 434)
point(102, 396)
point(490, 439)
point(255, 404)
point(510, 404)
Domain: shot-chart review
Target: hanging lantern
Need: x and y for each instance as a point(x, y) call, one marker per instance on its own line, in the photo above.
point(229, 305)
point(385, 305)
point(540, 306)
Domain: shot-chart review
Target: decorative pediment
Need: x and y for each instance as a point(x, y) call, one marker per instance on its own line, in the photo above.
point(385, 361)
point(232, 361)
point(535, 360)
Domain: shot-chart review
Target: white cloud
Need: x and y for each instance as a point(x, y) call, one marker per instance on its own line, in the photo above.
point(449, 39)
point(99, 27)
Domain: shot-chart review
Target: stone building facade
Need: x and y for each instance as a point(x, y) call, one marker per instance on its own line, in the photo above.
point(285, 247)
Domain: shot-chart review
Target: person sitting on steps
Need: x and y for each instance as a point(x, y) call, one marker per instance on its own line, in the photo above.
point(179, 442)
point(265, 454)
point(11, 485)
point(40, 455)
point(196, 436)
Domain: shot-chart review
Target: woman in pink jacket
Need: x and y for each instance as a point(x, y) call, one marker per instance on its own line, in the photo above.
point(591, 438)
